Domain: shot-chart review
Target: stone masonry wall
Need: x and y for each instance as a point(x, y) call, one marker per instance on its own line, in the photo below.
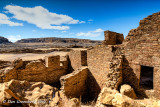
point(74, 85)
point(114, 78)
point(142, 47)
point(78, 58)
point(48, 71)
point(98, 60)
point(112, 38)
point(105, 65)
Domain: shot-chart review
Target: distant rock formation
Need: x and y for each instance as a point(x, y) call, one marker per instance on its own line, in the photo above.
point(56, 40)
point(4, 40)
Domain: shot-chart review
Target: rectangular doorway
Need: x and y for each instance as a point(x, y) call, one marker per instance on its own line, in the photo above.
point(146, 77)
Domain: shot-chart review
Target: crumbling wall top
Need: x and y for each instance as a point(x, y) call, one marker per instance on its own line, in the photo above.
point(112, 38)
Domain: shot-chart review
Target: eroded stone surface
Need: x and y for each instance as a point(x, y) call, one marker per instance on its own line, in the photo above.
point(30, 93)
point(114, 78)
point(111, 97)
point(127, 90)
point(113, 38)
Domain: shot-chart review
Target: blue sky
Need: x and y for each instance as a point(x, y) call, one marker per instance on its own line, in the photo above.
point(85, 19)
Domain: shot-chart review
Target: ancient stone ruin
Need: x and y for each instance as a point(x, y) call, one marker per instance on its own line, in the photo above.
point(112, 38)
point(49, 70)
point(130, 66)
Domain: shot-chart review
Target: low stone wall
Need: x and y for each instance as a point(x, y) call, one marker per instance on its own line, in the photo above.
point(74, 85)
point(49, 70)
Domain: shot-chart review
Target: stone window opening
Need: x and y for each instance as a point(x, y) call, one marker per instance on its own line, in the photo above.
point(146, 77)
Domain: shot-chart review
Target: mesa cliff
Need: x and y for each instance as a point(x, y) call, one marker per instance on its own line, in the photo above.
point(56, 40)
point(4, 40)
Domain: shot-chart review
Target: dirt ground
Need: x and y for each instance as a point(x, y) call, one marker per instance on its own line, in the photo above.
point(28, 56)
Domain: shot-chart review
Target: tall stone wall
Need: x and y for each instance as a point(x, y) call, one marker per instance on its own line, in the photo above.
point(114, 78)
point(142, 47)
point(98, 60)
point(105, 65)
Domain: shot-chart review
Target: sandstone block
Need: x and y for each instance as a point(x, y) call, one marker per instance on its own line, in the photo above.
point(128, 91)
point(111, 97)
point(112, 38)
point(106, 96)
point(39, 94)
point(52, 61)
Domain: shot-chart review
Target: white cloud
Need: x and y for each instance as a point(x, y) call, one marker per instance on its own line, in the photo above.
point(6, 20)
point(13, 38)
point(82, 22)
point(41, 17)
point(98, 30)
point(95, 33)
